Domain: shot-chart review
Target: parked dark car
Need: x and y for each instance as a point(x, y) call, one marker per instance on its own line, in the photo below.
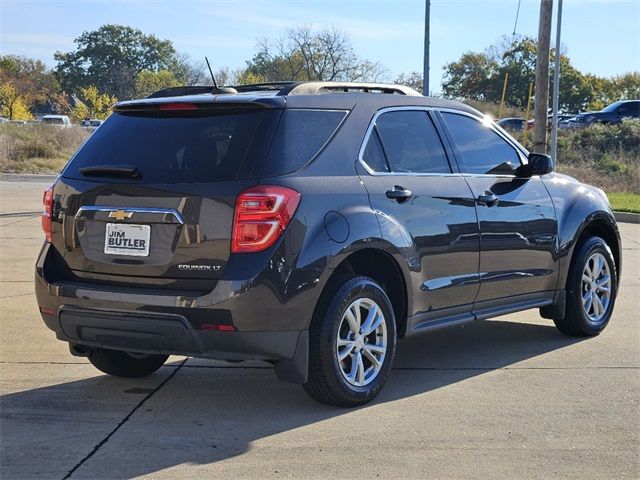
point(512, 124)
point(91, 124)
point(562, 121)
point(613, 113)
point(311, 225)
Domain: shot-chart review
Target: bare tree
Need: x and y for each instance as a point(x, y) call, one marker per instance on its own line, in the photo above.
point(304, 54)
point(412, 79)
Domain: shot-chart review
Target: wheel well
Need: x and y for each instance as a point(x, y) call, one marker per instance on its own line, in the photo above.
point(380, 266)
point(602, 229)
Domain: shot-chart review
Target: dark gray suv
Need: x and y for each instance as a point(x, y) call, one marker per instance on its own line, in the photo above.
point(310, 225)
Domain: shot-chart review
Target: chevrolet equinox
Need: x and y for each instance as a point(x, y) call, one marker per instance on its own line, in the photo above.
point(310, 225)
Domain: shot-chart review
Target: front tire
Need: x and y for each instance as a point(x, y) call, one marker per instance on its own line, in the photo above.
point(592, 285)
point(352, 343)
point(124, 364)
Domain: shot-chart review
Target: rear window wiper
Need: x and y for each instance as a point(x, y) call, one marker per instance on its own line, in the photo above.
point(129, 171)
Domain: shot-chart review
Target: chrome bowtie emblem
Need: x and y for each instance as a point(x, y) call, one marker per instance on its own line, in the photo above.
point(120, 214)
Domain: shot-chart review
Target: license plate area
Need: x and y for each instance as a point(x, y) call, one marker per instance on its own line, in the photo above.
point(127, 239)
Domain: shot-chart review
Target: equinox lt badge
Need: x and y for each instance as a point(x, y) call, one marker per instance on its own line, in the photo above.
point(199, 268)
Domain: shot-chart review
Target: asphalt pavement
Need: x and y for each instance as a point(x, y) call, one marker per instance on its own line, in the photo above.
point(503, 398)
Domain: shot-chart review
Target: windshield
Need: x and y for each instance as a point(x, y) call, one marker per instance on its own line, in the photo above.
point(57, 121)
point(612, 107)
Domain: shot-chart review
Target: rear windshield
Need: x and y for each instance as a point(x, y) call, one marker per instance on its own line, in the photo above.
point(177, 148)
point(57, 121)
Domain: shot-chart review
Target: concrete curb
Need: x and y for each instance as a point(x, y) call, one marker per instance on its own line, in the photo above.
point(627, 217)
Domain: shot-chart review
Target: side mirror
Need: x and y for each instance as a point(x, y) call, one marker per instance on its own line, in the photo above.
point(539, 164)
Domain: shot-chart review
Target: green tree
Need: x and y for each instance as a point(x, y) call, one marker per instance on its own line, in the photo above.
point(609, 90)
point(625, 87)
point(245, 77)
point(472, 77)
point(148, 82)
point(111, 57)
point(577, 93)
point(33, 81)
point(94, 104)
point(518, 59)
point(479, 76)
point(304, 54)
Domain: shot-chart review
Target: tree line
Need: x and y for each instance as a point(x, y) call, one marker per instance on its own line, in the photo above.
point(120, 62)
point(481, 75)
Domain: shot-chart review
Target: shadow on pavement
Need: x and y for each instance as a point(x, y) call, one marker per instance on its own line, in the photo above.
point(206, 414)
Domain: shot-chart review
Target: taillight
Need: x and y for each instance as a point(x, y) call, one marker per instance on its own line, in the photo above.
point(217, 328)
point(262, 214)
point(47, 214)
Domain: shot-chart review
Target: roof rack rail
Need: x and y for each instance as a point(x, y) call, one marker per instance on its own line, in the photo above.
point(264, 86)
point(316, 88)
point(288, 88)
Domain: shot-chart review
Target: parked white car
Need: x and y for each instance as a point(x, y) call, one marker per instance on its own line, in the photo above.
point(61, 121)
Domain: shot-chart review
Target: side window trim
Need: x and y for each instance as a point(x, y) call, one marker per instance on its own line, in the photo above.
point(519, 150)
point(448, 145)
point(372, 126)
point(376, 132)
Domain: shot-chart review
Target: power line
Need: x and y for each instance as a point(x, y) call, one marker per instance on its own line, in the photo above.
point(517, 15)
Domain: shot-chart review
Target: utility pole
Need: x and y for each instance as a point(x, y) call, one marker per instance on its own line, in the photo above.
point(556, 88)
point(541, 105)
point(425, 70)
point(504, 93)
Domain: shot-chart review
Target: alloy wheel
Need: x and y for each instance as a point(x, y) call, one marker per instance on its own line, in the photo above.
point(596, 287)
point(361, 344)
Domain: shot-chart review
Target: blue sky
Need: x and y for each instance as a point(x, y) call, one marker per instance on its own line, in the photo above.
point(600, 36)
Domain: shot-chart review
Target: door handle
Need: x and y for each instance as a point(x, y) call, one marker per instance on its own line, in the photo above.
point(488, 198)
point(399, 194)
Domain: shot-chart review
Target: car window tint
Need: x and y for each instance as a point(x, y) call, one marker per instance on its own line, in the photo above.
point(300, 136)
point(411, 142)
point(373, 154)
point(175, 148)
point(630, 109)
point(481, 149)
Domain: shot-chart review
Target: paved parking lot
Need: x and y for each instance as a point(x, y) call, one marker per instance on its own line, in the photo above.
point(505, 398)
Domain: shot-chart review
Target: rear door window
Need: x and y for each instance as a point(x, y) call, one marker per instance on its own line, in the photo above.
point(176, 148)
point(411, 142)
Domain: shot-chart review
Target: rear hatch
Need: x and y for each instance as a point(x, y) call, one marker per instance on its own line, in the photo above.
point(149, 199)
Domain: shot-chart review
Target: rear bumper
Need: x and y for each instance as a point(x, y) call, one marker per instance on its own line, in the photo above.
point(148, 322)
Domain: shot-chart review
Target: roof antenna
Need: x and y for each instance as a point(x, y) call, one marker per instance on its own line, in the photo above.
point(215, 85)
point(216, 89)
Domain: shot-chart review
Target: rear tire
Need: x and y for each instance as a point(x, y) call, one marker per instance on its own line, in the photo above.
point(124, 364)
point(592, 285)
point(352, 342)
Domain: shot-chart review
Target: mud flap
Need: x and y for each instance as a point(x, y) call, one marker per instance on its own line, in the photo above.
point(296, 370)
